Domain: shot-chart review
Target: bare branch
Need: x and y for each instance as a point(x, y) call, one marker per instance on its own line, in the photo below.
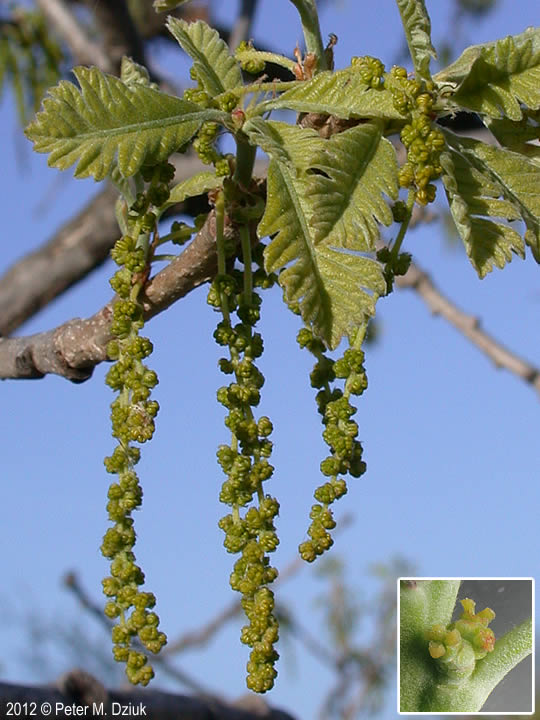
point(242, 26)
point(66, 24)
point(80, 246)
point(119, 33)
point(76, 347)
point(116, 27)
point(78, 689)
point(73, 349)
point(469, 325)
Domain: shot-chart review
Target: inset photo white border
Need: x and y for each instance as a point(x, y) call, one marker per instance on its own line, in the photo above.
point(432, 610)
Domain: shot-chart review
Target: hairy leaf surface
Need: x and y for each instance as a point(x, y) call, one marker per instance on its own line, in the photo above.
point(198, 184)
point(417, 25)
point(244, 55)
point(475, 197)
point(496, 78)
point(460, 68)
point(514, 134)
point(516, 177)
point(358, 166)
point(133, 74)
point(217, 70)
point(288, 144)
point(335, 289)
point(106, 122)
point(342, 93)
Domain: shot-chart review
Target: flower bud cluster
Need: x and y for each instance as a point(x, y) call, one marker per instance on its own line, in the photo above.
point(422, 139)
point(245, 463)
point(371, 70)
point(474, 628)
point(132, 417)
point(453, 655)
point(247, 57)
point(198, 95)
point(340, 434)
point(180, 233)
point(205, 149)
point(458, 647)
point(393, 264)
point(204, 142)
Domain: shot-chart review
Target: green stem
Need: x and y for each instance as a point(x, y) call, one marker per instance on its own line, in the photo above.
point(441, 599)
point(135, 290)
point(125, 191)
point(139, 183)
point(396, 247)
point(221, 259)
point(245, 160)
point(246, 257)
point(312, 31)
point(220, 226)
point(273, 58)
point(415, 668)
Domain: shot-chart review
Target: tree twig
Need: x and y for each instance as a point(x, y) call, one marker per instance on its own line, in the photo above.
point(418, 280)
point(73, 349)
point(242, 27)
point(76, 249)
point(72, 583)
point(119, 33)
point(82, 48)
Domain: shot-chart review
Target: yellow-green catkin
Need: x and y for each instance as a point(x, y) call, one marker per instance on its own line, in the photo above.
point(132, 416)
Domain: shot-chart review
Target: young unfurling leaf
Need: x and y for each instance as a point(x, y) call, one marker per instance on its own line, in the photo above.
point(417, 26)
point(216, 69)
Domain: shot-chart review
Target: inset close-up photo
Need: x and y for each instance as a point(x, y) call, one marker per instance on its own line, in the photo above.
point(269, 285)
point(466, 646)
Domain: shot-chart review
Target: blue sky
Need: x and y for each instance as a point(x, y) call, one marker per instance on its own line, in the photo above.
point(451, 442)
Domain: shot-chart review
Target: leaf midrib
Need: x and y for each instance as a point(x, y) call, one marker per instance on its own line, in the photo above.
point(299, 212)
point(142, 126)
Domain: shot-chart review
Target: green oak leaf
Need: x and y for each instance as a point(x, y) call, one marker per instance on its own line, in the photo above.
point(107, 123)
point(198, 184)
point(496, 79)
point(133, 74)
point(217, 70)
point(355, 168)
point(342, 93)
point(289, 145)
point(336, 289)
point(417, 25)
point(515, 177)
point(474, 199)
point(168, 5)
